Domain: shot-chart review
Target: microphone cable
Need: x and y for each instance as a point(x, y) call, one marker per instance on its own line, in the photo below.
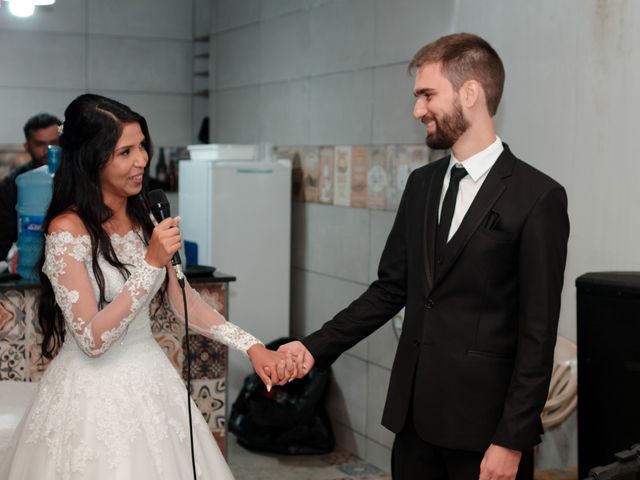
point(188, 352)
point(160, 209)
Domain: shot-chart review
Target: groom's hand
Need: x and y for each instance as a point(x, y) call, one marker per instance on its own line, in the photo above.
point(499, 463)
point(299, 354)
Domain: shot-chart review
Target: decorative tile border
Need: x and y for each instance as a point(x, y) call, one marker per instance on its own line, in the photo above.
point(356, 176)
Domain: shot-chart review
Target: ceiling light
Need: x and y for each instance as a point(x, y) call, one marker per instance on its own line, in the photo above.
point(37, 3)
point(25, 8)
point(22, 8)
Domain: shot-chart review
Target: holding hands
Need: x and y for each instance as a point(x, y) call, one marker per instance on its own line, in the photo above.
point(291, 361)
point(301, 357)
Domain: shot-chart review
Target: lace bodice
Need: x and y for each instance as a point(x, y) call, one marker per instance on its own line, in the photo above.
point(125, 316)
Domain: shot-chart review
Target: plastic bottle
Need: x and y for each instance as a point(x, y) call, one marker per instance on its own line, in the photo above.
point(34, 195)
point(54, 155)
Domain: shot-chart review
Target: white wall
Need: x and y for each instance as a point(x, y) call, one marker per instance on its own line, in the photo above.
point(138, 52)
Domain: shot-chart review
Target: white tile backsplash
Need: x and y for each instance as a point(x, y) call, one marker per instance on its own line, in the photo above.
point(347, 397)
point(236, 120)
point(141, 18)
point(140, 65)
point(316, 299)
point(282, 113)
point(232, 13)
point(276, 8)
point(42, 60)
point(284, 47)
point(393, 103)
point(377, 385)
point(403, 26)
point(378, 455)
point(341, 108)
point(333, 241)
point(237, 61)
point(381, 224)
point(349, 440)
point(335, 25)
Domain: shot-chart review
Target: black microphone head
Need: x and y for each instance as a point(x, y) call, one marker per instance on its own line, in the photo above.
point(160, 207)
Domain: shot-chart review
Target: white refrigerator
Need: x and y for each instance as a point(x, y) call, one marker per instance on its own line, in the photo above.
point(238, 212)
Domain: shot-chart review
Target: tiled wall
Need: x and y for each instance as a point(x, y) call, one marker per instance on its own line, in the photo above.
point(140, 53)
point(357, 176)
point(314, 73)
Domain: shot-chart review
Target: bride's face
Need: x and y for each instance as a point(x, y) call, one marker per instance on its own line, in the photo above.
point(122, 175)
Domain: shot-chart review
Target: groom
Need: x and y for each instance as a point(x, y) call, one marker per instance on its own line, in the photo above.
point(476, 255)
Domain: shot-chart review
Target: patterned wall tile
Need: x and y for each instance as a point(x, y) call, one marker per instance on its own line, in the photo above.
point(294, 155)
point(210, 398)
point(325, 187)
point(214, 296)
point(310, 173)
point(417, 155)
point(163, 320)
point(377, 177)
point(13, 365)
point(12, 316)
point(208, 358)
point(359, 174)
point(36, 363)
point(172, 347)
point(398, 169)
point(342, 176)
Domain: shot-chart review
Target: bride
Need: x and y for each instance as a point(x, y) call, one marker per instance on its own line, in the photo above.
point(111, 405)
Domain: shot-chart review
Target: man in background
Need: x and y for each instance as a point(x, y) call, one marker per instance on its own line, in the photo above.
point(40, 131)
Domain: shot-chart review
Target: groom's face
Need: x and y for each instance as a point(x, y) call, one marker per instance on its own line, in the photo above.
point(438, 107)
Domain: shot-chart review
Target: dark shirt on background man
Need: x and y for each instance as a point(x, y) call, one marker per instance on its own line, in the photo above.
point(40, 131)
point(8, 213)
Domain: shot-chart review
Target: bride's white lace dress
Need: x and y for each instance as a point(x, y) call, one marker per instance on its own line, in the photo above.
point(111, 405)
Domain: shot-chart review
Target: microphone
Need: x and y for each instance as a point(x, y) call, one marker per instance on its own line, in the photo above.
point(161, 209)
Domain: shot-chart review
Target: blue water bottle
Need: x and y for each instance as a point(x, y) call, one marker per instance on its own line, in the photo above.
point(34, 195)
point(54, 153)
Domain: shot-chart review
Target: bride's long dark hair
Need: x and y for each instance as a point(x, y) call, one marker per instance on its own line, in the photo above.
point(92, 126)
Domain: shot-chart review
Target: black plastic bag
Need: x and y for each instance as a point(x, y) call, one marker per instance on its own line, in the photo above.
point(290, 419)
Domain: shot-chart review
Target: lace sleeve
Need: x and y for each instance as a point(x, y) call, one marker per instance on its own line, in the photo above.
point(94, 330)
point(206, 320)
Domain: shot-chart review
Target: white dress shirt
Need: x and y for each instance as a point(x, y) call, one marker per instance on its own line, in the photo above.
point(477, 167)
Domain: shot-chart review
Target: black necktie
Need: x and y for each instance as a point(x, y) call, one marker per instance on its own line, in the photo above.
point(448, 207)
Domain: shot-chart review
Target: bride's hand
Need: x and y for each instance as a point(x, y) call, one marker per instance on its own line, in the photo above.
point(273, 368)
point(164, 242)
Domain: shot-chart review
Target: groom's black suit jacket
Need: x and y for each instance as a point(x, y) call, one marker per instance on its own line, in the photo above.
point(476, 349)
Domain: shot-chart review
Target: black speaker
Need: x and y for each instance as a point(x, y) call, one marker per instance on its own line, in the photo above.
point(608, 366)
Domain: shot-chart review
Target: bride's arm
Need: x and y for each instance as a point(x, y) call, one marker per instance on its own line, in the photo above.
point(67, 247)
point(272, 367)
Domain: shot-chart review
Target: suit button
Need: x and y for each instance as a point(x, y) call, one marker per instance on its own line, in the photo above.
point(429, 304)
point(440, 261)
point(416, 343)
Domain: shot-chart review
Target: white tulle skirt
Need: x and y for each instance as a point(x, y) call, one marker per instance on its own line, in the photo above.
point(121, 416)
